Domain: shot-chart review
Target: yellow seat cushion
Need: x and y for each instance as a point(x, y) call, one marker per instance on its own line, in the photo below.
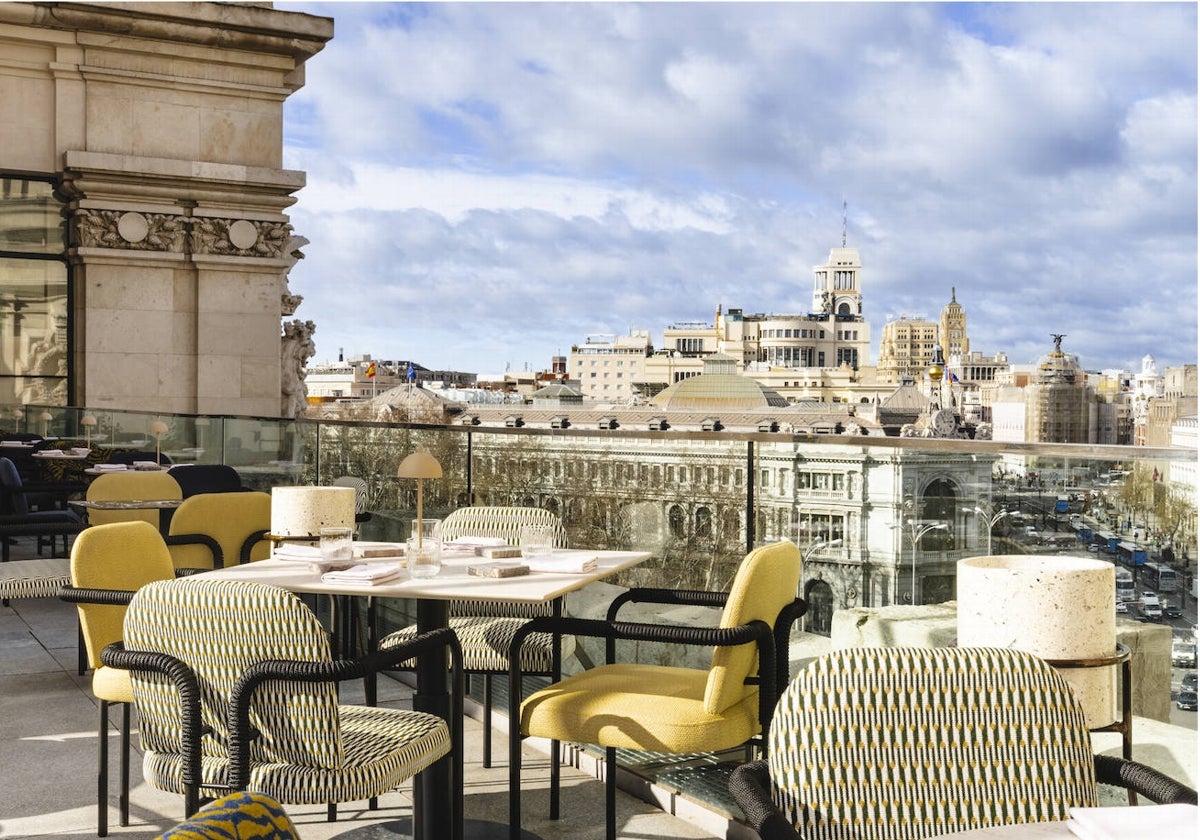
point(641, 707)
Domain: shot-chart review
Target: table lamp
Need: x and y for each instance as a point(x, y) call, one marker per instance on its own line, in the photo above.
point(419, 465)
point(158, 428)
point(46, 417)
point(87, 421)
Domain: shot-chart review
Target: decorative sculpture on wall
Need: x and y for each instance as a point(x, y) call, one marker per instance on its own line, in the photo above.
point(129, 231)
point(296, 348)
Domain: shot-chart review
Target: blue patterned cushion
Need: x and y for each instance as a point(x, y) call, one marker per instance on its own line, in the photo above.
point(239, 816)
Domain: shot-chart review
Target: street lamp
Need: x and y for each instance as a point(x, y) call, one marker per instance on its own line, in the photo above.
point(917, 530)
point(991, 522)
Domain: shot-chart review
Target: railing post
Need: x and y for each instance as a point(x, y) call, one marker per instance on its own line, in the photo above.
point(470, 488)
point(751, 478)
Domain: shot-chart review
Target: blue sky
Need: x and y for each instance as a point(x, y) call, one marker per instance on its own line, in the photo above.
point(491, 183)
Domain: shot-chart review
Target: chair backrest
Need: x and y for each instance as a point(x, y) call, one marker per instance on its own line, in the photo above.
point(129, 456)
point(360, 490)
point(914, 742)
point(501, 522)
point(764, 584)
point(219, 628)
point(123, 556)
point(229, 518)
point(128, 485)
point(205, 478)
point(12, 500)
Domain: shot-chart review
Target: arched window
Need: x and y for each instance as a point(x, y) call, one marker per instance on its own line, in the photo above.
point(675, 521)
point(819, 597)
point(703, 523)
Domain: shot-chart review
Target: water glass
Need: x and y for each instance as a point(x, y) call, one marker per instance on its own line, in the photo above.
point(336, 544)
point(537, 540)
point(424, 558)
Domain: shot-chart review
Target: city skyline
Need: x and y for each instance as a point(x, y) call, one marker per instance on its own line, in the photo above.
point(489, 184)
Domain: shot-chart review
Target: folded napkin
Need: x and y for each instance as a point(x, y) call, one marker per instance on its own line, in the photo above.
point(111, 467)
point(563, 562)
point(1128, 823)
point(364, 574)
point(50, 452)
point(294, 551)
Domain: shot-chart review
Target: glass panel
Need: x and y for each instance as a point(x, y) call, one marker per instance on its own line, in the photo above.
point(33, 331)
point(31, 220)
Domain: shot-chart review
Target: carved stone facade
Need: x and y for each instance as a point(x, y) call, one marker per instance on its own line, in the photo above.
point(160, 126)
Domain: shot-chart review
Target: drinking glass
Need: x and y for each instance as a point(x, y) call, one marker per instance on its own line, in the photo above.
point(537, 540)
point(336, 544)
point(425, 558)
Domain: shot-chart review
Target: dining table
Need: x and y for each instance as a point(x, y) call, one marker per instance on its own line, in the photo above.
point(165, 507)
point(432, 596)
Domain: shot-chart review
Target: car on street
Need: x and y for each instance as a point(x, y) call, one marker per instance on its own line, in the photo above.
point(1183, 653)
point(1186, 701)
point(1189, 681)
point(1172, 611)
point(1122, 608)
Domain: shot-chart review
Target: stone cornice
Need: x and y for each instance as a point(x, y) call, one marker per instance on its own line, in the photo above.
point(123, 230)
point(248, 27)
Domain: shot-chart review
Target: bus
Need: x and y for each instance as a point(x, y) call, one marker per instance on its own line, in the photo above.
point(1124, 585)
point(1131, 554)
point(1106, 541)
point(1062, 504)
point(1158, 577)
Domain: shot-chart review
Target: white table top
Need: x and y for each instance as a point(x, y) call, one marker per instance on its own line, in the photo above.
point(1035, 831)
point(453, 582)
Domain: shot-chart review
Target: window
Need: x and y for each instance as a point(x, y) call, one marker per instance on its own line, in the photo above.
point(34, 306)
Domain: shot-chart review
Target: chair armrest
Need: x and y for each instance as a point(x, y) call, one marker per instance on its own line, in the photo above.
point(750, 785)
point(205, 540)
point(1150, 783)
point(188, 688)
point(241, 733)
point(788, 616)
point(112, 597)
point(678, 597)
point(249, 543)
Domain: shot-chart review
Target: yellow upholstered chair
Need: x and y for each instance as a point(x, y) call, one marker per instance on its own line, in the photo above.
point(127, 486)
point(108, 564)
point(211, 530)
point(664, 708)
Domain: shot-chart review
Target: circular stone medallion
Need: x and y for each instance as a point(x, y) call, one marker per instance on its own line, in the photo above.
point(243, 234)
point(133, 227)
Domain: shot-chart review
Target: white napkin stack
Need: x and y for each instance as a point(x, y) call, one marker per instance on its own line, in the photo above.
point(46, 452)
point(563, 562)
point(111, 467)
point(293, 551)
point(1127, 823)
point(364, 574)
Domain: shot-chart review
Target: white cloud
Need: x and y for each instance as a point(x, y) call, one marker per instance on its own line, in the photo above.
point(614, 165)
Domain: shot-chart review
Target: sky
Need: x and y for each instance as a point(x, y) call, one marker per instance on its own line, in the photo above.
point(489, 184)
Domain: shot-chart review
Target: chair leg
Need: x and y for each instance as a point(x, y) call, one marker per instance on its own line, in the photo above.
point(331, 812)
point(555, 776)
point(487, 720)
point(514, 772)
point(102, 773)
point(610, 793)
point(124, 799)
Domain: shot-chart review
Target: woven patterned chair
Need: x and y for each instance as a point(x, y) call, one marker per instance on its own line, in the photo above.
point(901, 743)
point(108, 563)
point(486, 629)
point(238, 816)
point(663, 708)
point(128, 485)
point(236, 690)
point(212, 530)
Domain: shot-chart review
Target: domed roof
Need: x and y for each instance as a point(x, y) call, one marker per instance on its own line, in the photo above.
point(726, 391)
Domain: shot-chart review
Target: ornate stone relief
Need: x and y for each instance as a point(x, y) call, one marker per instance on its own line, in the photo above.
point(134, 231)
point(295, 349)
point(130, 231)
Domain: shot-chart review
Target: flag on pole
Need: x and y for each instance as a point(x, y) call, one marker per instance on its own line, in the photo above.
point(371, 370)
point(409, 373)
point(953, 378)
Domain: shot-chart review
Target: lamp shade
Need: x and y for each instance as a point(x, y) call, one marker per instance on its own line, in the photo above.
point(419, 464)
point(158, 427)
point(46, 415)
point(301, 512)
point(1053, 607)
point(87, 420)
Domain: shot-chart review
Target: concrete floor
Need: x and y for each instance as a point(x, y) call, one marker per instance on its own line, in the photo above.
point(48, 722)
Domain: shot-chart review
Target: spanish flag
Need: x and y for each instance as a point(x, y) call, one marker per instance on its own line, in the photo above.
point(371, 370)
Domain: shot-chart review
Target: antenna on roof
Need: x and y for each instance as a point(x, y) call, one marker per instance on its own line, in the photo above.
point(843, 223)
